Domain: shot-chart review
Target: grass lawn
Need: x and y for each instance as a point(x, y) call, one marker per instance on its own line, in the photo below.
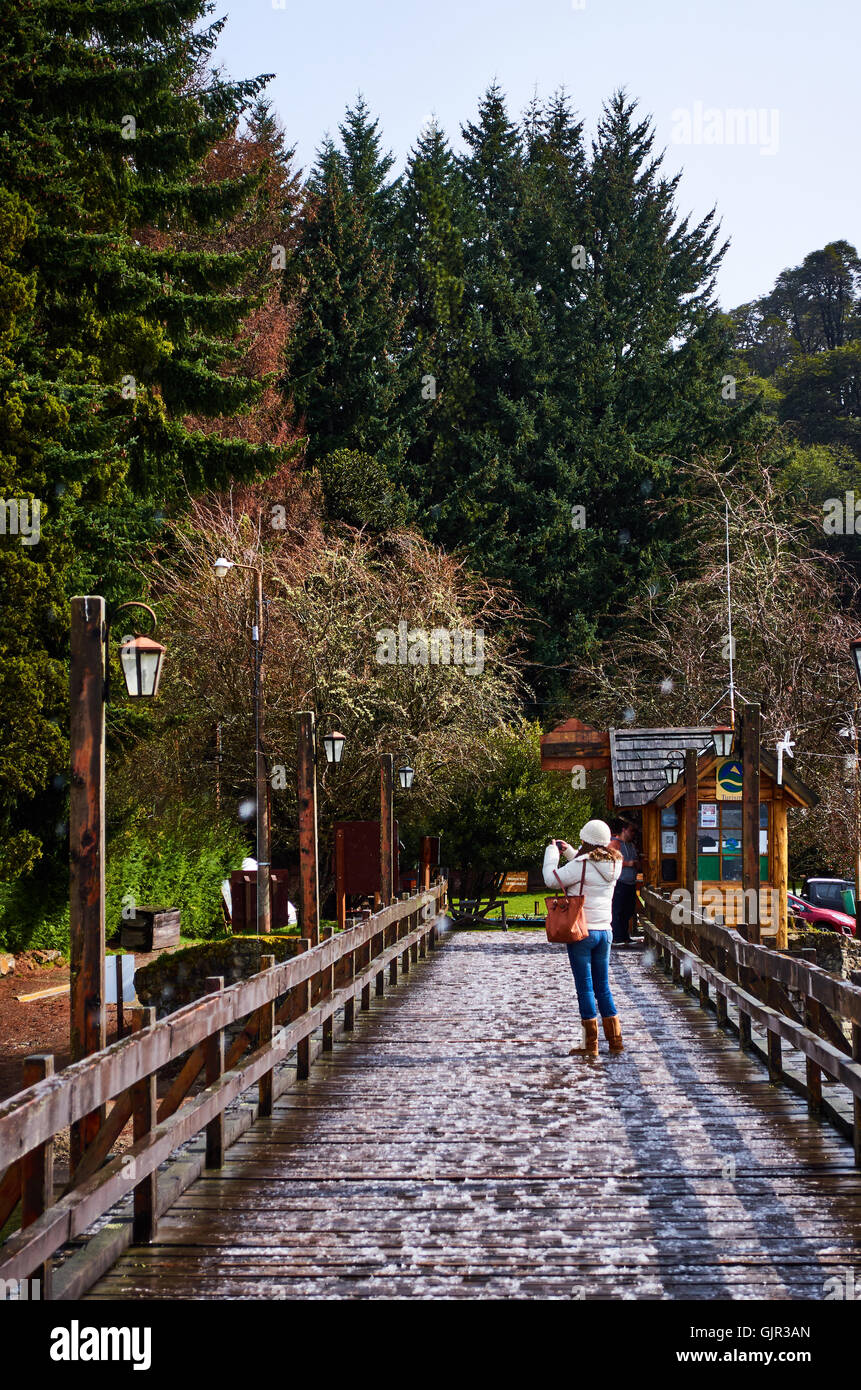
point(523, 904)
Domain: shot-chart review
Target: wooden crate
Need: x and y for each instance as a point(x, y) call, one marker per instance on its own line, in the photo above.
point(151, 929)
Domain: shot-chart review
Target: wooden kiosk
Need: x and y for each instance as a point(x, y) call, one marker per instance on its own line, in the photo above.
point(686, 838)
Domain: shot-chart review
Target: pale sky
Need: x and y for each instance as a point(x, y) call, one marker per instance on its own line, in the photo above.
point(787, 188)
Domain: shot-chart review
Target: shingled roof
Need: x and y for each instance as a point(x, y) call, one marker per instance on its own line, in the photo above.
point(637, 758)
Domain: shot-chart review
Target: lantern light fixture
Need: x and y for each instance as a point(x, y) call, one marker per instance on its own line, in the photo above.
point(334, 746)
point(722, 738)
point(406, 775)
point(141, 660)
point(672, 770)
point(221, 566)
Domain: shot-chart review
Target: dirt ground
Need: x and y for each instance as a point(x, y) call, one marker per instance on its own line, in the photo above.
point(43, 1026)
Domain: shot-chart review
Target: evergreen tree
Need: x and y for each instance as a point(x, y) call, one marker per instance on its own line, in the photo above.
point(366, 170)
point(341, 366)
point(592, 355)
point(118, 337)
point(430, 281)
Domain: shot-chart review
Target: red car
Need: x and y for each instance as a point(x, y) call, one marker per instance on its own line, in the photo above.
point(827, 917)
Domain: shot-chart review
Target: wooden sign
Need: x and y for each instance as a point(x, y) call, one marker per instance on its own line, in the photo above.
point(728, 780)
point(517, 882)
point(357, 856)
point(574, 742)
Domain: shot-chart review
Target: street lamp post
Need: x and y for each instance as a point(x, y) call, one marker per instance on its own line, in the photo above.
point(141, 662)
point(264, 905)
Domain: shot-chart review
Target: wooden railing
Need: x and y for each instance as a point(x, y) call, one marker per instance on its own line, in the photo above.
point(759, 982)
point(277, 1010)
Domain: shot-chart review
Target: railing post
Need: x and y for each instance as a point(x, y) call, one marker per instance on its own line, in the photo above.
point(144, 1111)
point(721, 1010)
point(743, 972)
point(214, 1072)
point(391, 937)
point(775, 1049)
point(380, 977)
point(404, 928)
point(350, 975)
point(325, 990)
point(265, 1034)
point(301, 1005)
point(368, 956)
point(37, 1170)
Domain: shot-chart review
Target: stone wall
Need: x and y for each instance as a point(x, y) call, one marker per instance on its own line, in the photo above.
point(839, 954)
point(179, 977)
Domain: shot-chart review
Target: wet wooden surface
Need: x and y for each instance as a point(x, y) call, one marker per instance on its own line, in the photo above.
point(453, 1149)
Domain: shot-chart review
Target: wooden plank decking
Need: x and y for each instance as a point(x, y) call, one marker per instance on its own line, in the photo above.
point(452, 1149)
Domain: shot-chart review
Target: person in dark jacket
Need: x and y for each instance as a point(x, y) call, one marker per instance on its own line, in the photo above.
point(625, 895)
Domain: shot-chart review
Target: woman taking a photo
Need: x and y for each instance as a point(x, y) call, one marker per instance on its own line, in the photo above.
point(598, 866)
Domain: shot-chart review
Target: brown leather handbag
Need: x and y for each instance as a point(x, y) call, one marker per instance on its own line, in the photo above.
point(566, 917)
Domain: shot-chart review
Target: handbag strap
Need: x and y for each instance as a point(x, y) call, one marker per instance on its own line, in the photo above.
point(582, 877)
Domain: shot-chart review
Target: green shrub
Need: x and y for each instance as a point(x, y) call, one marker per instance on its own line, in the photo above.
point(34, 915)
point(179, 861)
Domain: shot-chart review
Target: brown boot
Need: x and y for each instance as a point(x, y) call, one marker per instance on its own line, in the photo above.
point(613, 1033)
point(589, 1046)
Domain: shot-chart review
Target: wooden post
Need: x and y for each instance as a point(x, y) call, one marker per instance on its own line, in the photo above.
point(86, 847)
point(302, 1003)
point(720, 1009)
point(691, 760)
point(775, 1050)
point(811, 1021)
point(340, 892)
point(424, 861)
point(265, 1034)
point(326, 983)
point(214, 1071)
point(144, 1112)
point(387, 816)
point(750, 731)
point(379, 943)
point(37, 1170)
point(309, 879)
point(350, 1005)
point(367, 957)
point(780, 860)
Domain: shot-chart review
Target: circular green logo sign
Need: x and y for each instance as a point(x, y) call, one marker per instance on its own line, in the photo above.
point(729, 779)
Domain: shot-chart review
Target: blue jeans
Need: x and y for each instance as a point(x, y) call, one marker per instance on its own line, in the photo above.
point(590, 964)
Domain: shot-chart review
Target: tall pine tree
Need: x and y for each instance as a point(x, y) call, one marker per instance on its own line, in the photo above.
point(113, 337)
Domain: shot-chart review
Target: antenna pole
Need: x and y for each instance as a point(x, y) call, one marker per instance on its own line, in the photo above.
point(729, 617)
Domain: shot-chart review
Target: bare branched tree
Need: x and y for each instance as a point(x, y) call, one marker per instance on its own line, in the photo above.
point(794, 610)
point(328, 597)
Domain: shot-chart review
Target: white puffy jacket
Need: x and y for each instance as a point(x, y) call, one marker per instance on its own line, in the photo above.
point(599, 881)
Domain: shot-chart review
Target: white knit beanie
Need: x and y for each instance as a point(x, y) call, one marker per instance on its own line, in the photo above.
point(596, 832)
